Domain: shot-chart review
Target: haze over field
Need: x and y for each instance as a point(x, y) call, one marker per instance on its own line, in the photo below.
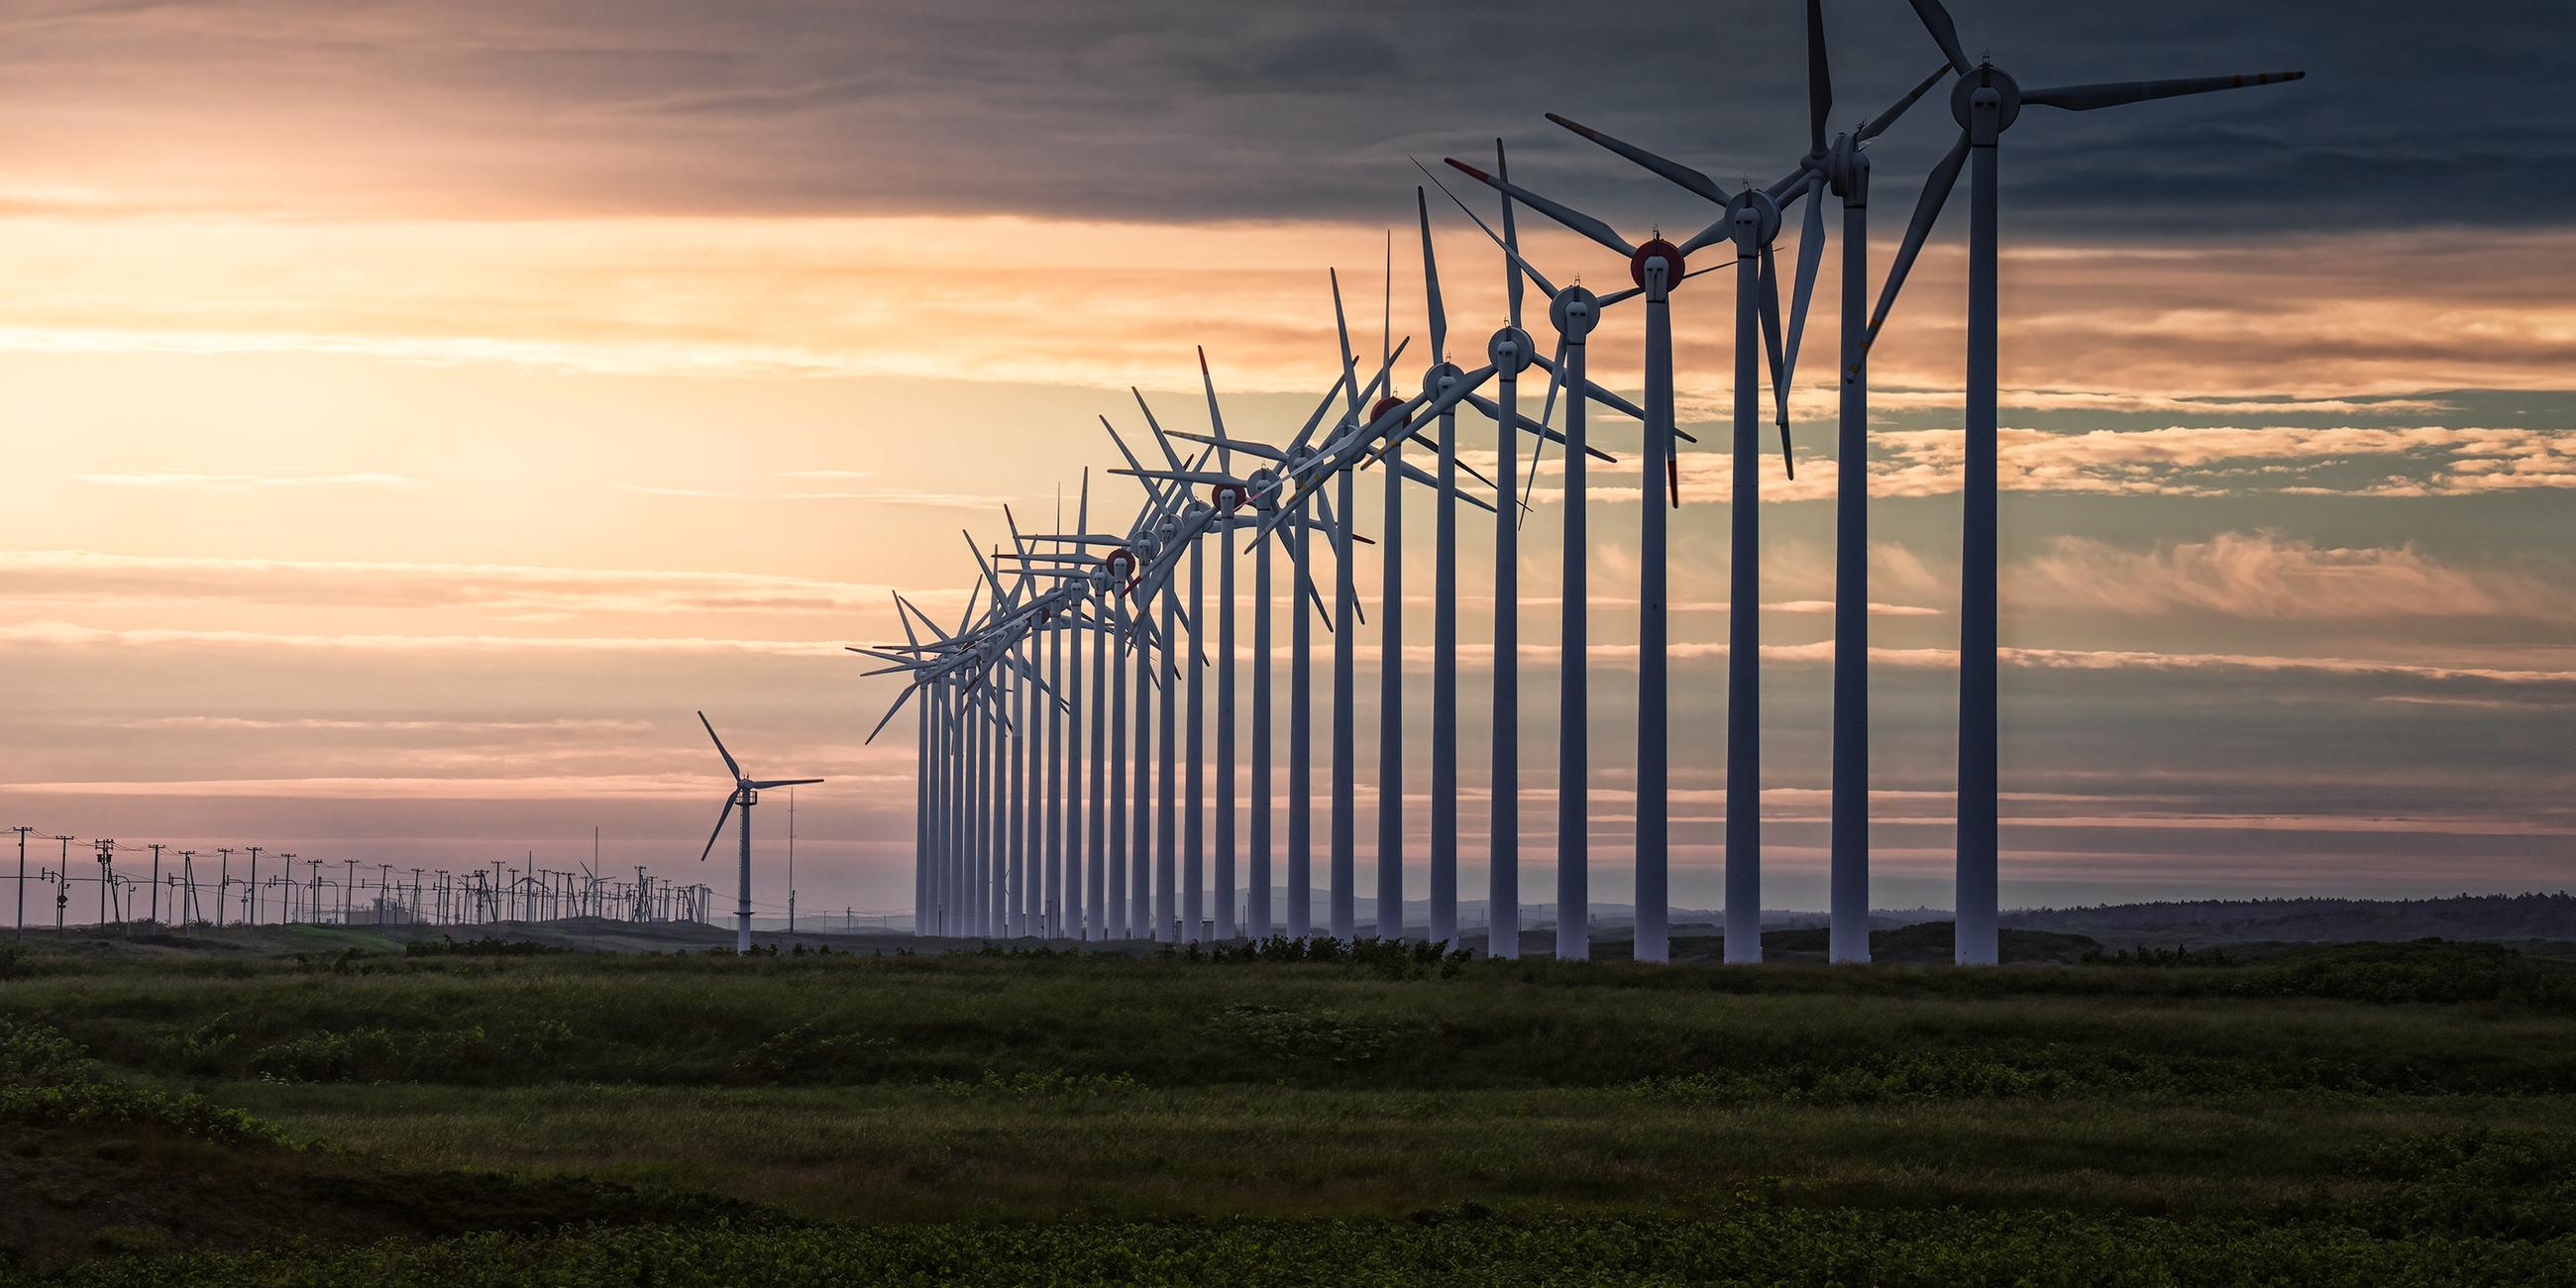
point(415, 413)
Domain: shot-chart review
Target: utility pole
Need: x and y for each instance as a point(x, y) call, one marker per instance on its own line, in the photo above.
point(253, 887)
point(106, 882)
point(156, 882)
point(791, 861)
point(62, 880)
point(21, 922)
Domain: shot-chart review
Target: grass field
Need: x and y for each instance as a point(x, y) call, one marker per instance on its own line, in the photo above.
point(2364, 1114)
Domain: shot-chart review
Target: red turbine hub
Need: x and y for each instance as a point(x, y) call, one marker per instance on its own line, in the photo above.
point(1671, 255)
point(1383, 406)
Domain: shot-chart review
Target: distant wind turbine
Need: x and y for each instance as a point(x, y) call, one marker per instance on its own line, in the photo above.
point(746, 793)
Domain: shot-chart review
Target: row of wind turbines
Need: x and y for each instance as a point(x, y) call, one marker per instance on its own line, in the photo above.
point(1023, 828)
point(333, 892)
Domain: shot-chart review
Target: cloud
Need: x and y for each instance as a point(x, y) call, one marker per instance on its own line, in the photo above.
point(78, 576)
point(2179, 460)
point(180, 481)
point(1162, 107)
point(901, 496)
point(73, 635)
point(2348, 320)
point(2270, 577)
point(313, 724)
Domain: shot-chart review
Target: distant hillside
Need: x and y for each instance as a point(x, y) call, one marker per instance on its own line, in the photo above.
point(2220, 921)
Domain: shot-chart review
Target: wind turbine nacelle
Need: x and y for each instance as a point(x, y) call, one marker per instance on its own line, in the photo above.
point(1574, 310)
point(1846, 167)
point(1657, 248)
point(1438, 379)
point(1756, 219)
point(1379, 409)
point(1986, 79)
point(1226, 497)
point(1121, 563)
point(1512, 350)
point(1264, 486)
point(1195, 512)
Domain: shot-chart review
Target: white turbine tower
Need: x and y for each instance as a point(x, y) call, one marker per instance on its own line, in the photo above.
point(1986, 102)
point(746, 793)
point(1575, 311)
point(1752, 220)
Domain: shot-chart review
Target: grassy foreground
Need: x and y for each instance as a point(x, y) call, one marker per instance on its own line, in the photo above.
point(2372, 1114)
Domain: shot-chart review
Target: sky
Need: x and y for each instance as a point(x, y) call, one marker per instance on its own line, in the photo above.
point(414, 414)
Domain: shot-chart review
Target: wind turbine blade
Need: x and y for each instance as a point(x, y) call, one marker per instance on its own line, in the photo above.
point(1019, 544)
point(1463, 467)
point(1603, 302)
point(1927, 211)
point(1082, 508)
point(1598, 393)
point(1719, 229)
point(1945, 33)
point(1878, 124)
point(1493, 409)
point(784, 782)
point(1767, 276)
point(1378, 380)
point(730, 766)
point(1430, 286)
point(718, 834)
point(1811, 253)
point(1771, 340)
point(1507, 241)
point(1134, 467)
point(1262, 450)
point(974, 595)
point(1547, 414)
point(1820, 80)
point(1216, 419)
point(1386, 309)
point(1323, 407)
point(1683, 176)
point(1417, 474)
point(2084, 98)
point(905, 621)
point(1160, 439)
point(1512, 241)
point(1566, 215)
point(978, 552)
point(1342, 329)
point(1204, 477)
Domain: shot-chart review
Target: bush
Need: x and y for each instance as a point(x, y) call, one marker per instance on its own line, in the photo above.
point(1310, 1038)
point(804, 1055)
point(373, 1054)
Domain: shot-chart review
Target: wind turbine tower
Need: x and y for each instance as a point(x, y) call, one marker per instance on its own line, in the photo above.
point(746, 793)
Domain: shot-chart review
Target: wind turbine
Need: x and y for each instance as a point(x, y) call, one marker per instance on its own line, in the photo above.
point(1302, 466)
point(1260, 490)
point(746, 793)
point(1752, 221)
point(1986, 102)
point(1655, 267)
